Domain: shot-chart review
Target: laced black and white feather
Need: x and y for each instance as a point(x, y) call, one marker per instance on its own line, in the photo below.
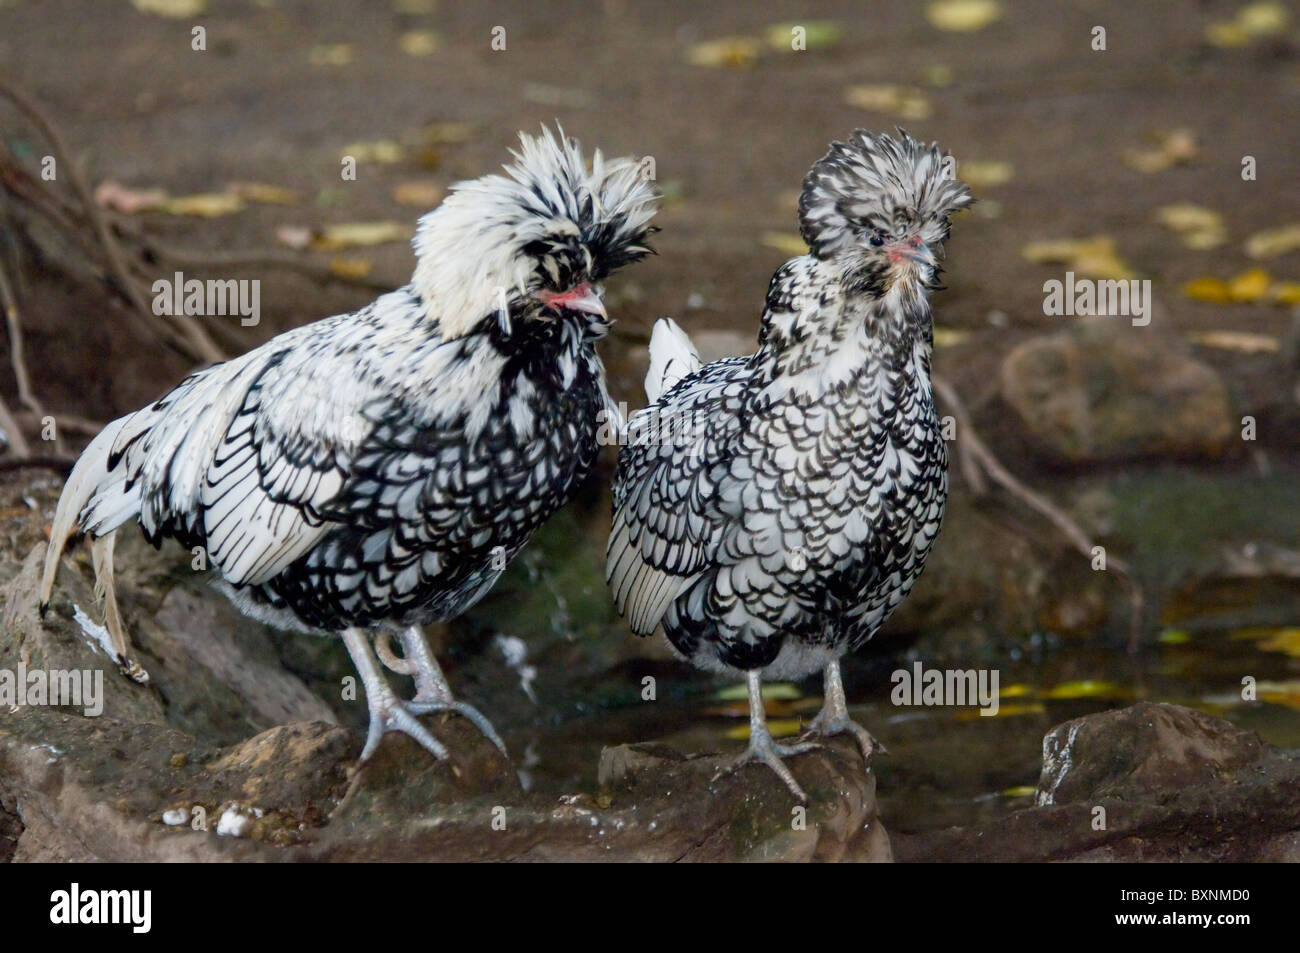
point(380, 468)
point(770, 511)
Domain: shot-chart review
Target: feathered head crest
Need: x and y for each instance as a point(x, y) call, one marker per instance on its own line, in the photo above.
point(549, 221)
point(878, 182)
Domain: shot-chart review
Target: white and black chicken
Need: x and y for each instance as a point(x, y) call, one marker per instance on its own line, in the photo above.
point(374, 472)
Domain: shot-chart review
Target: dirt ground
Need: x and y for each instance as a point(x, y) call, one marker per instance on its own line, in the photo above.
point(284, 89)
point(732, 144)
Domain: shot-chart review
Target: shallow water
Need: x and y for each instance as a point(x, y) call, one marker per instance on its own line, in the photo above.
point(945, 765)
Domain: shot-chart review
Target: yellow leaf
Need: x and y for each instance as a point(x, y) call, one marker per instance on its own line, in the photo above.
point(353, 234)
point(1018, 690)
point(1244, 342)
point(1173, 147)
point(176, 9)
point(208, 205)
point(1213, 290)
point(1286, 641)
point(963, 16)
point(330, 54)
point(817, 35)
point(1285, 292)
point(419, 194)
point(418, 42)
point(1085, 689)
point(1200, 227)
point(985, 174)
point(947, 337)
point(265, 194)
point(1250, 285)
point(733, 51)
point(772, 691)
point(1174, 637)
point(779, 727)
point(350, 268)
point(382, 151)
point(1263, 19)
point(785, 243)
point(1226, 35)
point(1273, 242)
point(1094, 257)
point(1024, 790)
point(907, 102)
point(1004, 711)
point(446, 133)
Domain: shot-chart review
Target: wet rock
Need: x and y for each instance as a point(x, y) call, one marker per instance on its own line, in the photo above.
point(1148, 782)
point(1102, 392)
point(1145, 752)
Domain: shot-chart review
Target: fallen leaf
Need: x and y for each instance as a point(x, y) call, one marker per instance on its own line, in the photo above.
point(1094, 257)
point(1173, 147)
point(1085, 689)
point(115, 195)
point(446, 133)
point(330, 54)
point(1286, 641)
point(352, 234)
point(906, 102)
point(729, 51)
point(1285, 292)
point(419, 194)
point(1004, 711)
point(818, 35)
point(785, 243)
point(772, 691)
point(265, 194)
point(778, 727)
point(418, 42)
point(1243, 342)
point(1253, 21)
point(984, 174)
point(1198, 226)
point(350, 268)
point(559, 97)
point(382, 151)
point(963, 16)
point(947, 337)
point(1174, 637)
point(1024, 790)
point(1250, 286)
point(1273, 242)
point(1017, 690)
point(938, 75)
point(1213, 290)
point(206, 205)
point(177, 9)
point(295, 236)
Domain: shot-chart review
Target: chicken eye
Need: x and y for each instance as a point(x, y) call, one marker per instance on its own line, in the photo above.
point(878, 239)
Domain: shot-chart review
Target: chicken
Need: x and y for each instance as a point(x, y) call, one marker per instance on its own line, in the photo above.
point(771, 511)
point(374, 472)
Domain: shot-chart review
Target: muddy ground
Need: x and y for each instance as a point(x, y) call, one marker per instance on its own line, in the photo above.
point(1209, 522)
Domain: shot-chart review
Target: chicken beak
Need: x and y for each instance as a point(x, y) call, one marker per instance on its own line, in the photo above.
point(581, 298)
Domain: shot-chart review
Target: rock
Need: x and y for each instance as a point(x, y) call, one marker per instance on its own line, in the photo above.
point(1151, 782)
point(1145, 752)
point(1103, 392)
